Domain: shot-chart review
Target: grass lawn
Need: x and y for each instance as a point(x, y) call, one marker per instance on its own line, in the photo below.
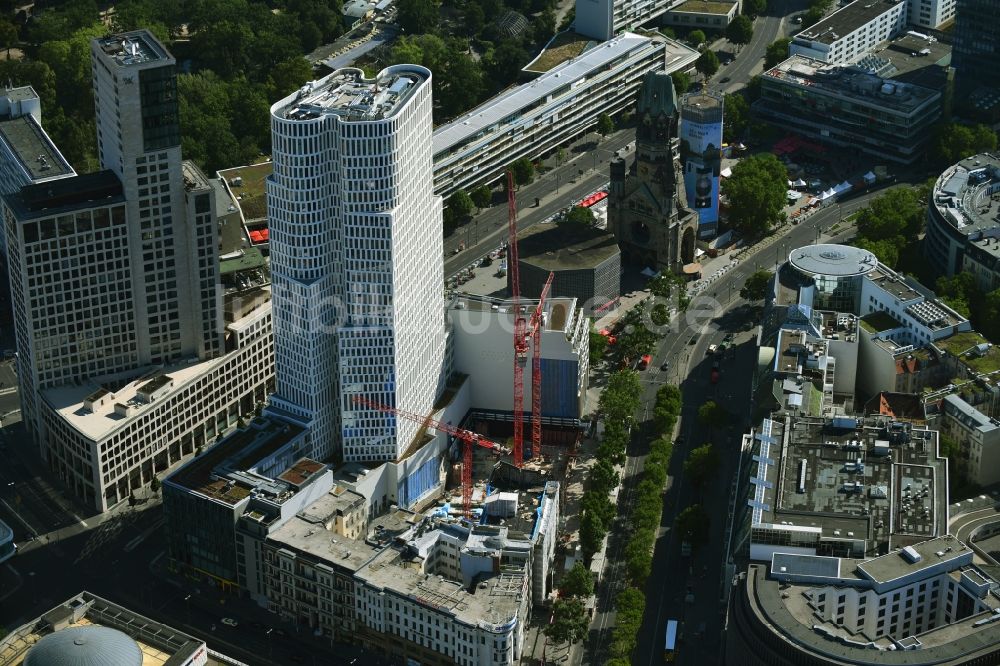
point(251, 191)
point(566, 45)
point(960, 343)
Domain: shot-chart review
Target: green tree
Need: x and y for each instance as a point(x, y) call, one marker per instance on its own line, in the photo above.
point(605, 125)
point(418, 16)
point(482, 196)
point(740, 31)
point(682, 81)
point(578, 217)
point(887, 251)
point(620, 397)
point(598, 345)
point(754, 8)
point(756, 193)
point(707, 63)
point(953, 142)
point(637, 342)
point(461, 205)
point(599, 506)
point(569, 621)
point(475, 19)
point(463, 83)
point(8, 36)
point(544, 26)
point(736, 117)
point(604, 476)
point(711, 414)
point(989, 317)
point(523, 170)
point(696, 38)
point(777, 51)
point(286, 77)
point(503, 65)
point(958, 291)
point(756, 286)
point(896, 213)
point(154, 485)
point(813, 16)
point(592, 533)
point(577, 582)
point(692, 524)
point(701, 464)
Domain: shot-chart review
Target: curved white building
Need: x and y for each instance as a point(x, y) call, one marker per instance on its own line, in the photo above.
point(356, 246)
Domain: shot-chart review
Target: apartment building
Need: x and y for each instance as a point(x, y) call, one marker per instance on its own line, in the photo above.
point(931, 14)
point(851, 32)
point(357, 279)
point(428, 588)
point(533, 118)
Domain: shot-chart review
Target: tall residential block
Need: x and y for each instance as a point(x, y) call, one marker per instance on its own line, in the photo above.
point(174, 258)
point(356, 247)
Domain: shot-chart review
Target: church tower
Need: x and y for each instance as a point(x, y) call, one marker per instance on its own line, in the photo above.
point(647, 209)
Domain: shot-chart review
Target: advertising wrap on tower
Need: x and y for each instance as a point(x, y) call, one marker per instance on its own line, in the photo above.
point(701, 156)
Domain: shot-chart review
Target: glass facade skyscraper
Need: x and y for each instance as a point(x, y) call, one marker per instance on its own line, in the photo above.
point(976, 51)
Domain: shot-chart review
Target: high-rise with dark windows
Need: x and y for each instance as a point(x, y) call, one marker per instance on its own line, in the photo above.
point(976, 50)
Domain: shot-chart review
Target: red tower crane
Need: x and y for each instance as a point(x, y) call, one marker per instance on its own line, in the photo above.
point(520, 325)
point(535, 331)
point(466, 436)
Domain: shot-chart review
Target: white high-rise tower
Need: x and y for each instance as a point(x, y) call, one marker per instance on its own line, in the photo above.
point(356, 268)
point(172, 239)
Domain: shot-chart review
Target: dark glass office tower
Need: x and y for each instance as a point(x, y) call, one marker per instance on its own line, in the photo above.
point(976, 54)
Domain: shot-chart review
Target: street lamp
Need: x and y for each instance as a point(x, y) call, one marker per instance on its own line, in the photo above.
point(270, 643)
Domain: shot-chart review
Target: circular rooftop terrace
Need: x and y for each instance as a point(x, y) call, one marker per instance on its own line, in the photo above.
point(832, 260)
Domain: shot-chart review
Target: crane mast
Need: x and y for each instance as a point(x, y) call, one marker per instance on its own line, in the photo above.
point(469, 438)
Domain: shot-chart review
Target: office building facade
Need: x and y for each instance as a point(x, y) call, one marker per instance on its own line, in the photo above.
point(27, 154)
point(976, 50)
point(841, 106)
point(356, 247)
point(174, 259)
point(123, 365)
